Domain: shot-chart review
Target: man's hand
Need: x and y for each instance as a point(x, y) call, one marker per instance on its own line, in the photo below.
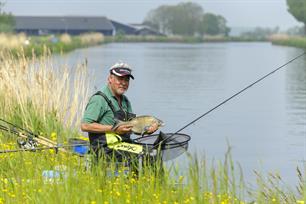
point(122, 129)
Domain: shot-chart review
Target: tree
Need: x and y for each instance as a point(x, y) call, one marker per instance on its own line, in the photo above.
point(181, 19)
point(187, 19)
point(212, 24)
point(223, 29)
point(7, 21)
point(298, 9)
point(159, 19)
point(209, 24)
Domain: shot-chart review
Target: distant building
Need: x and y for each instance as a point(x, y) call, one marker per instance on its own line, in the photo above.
point(133, 29)
point(73, 25)
point(123, 28)
point(145, 30)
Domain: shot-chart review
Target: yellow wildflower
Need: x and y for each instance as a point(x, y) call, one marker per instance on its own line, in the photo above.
point(5, 181)
point(53, 136)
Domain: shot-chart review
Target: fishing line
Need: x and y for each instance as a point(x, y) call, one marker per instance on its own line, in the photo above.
point(171, 137)
point(239, 92)
point(233, 96)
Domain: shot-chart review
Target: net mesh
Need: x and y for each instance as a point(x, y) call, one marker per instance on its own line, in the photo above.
point(169, 145)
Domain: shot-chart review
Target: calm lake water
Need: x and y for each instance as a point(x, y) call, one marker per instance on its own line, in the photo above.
point(266, 125)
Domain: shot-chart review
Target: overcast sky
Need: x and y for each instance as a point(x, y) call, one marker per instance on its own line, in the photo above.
point(238, 13)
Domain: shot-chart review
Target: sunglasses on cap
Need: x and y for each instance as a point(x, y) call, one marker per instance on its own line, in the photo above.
point(122, 72)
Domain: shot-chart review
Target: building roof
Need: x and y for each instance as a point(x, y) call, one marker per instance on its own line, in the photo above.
point(123, 24)
point(145, 30)
point(63, 22)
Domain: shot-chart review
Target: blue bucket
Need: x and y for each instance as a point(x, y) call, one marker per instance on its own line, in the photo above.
point(80, 146)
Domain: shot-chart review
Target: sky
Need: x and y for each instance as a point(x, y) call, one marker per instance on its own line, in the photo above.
point(238, 13)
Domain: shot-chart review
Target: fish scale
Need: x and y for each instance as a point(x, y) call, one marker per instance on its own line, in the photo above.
point(140, 123)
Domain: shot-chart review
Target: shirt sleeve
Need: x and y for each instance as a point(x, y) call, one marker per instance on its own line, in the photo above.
point(94, 110)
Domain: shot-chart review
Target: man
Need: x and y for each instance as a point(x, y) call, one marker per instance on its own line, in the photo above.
point(107, 106)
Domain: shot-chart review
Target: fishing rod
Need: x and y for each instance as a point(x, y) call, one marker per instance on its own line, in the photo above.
point(231, 97)
point(13, 128)
point(43, 148)
point(17, 127)
point(25, 138)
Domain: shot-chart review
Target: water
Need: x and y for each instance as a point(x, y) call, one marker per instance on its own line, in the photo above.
point(266, 125)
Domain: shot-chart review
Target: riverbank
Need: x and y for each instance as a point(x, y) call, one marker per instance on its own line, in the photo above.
point(65, 43)
point(284, 40)
point(37, 45)
point(179, 39)
point(44, 100)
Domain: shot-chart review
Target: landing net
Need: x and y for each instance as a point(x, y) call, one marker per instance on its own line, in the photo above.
point(169, 145)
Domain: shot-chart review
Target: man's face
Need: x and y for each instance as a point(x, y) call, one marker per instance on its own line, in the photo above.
point(118, 85)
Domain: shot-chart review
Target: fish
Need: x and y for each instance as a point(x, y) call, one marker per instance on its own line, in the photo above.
point(140, 124)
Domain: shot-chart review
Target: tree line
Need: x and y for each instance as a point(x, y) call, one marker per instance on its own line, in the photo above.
point(7, 21)
point(187, 19)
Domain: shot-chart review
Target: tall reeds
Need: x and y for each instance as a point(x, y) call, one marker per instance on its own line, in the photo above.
point(91, 38)
point(34, 89)
point(293, 41)
point(9, 41)
point(34, 45)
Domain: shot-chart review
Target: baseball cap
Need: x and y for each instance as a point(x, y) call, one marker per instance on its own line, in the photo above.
point(121, 69)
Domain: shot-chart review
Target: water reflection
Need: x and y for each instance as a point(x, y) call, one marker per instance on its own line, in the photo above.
point(296, 108)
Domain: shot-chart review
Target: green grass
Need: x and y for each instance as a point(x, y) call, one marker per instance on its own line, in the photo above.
point(22, 180)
